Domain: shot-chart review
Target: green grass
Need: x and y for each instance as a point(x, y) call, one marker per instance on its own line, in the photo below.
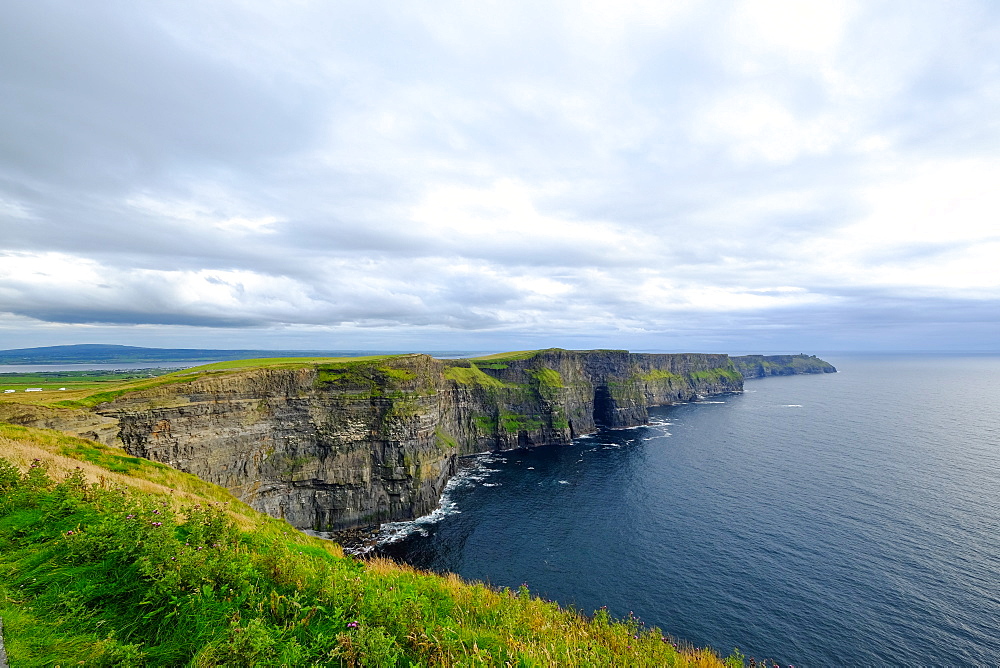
point(515, 422)
point(508, 357)
point(284, 362)
point(472, 375)
point(330, 365)
point(658, 375)
point(717, 375)
point(109, 575)
point(91, 400)
point(547, 377)
point(52, 381)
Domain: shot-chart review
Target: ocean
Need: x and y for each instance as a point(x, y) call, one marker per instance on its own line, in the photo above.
point(836, 519)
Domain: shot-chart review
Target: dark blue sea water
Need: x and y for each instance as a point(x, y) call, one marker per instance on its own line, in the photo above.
point(838, 519)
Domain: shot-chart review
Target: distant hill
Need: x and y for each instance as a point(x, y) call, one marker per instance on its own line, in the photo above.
point(97, 353)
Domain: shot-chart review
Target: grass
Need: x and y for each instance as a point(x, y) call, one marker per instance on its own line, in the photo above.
point(547, 377)
point(515, 422)
point(504, 357)
point(105, 568)
point(101, 463)
point(52, 381)
point(284, 362)
point(472, 375)
point(82, 396)
point(717, 375)
point(655, 375)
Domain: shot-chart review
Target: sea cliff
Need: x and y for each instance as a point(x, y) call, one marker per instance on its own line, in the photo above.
point(333, 444)
point(761, 366)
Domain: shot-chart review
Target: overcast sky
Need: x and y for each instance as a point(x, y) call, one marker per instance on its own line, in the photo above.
point(706, 176)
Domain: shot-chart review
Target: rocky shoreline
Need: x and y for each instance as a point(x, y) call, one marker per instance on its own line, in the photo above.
point(357, 541)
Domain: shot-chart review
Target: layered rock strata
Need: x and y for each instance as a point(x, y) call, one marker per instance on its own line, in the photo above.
point(329, 446)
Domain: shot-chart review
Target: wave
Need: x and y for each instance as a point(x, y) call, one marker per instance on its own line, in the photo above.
point(392, 532)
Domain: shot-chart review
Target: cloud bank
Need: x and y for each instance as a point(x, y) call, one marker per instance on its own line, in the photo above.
point(729, 176)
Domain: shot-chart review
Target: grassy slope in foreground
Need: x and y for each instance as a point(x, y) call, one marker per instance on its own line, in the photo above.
point(107, 559)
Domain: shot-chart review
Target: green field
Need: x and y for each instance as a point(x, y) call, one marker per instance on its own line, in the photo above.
point(51, 381)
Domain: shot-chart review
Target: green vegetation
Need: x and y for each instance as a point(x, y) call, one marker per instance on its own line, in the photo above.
point(472, 375)
point(486, 425)
point(115, 572)
point(91, 400)
point(717, 375)
point(284, 362)
point(364, 376)
point(499, 358)
point(53, 381)
point(559, 420)
point(546, 377)
point(754, 366)
point(444, 440)
point(66, 453)
point(515, 422)
point(658, 375)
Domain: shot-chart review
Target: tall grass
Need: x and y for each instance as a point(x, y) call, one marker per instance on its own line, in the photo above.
point(104, 573)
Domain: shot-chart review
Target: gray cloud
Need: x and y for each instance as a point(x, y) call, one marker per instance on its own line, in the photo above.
point(428, 174)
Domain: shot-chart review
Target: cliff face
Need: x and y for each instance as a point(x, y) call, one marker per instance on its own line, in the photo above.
point(760, 366)
point(74, 422)
point(338, 445)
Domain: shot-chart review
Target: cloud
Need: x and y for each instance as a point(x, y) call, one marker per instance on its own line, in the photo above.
point(601, 173)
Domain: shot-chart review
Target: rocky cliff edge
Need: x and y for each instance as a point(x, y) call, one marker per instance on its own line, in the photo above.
point(329, 445)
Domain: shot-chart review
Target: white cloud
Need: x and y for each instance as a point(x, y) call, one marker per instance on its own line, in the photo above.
point(585, 170)
point(933, 202)
point(792, 28)
point(212, 210)
point(753, 126)
point(14, 209)
point(504, 216)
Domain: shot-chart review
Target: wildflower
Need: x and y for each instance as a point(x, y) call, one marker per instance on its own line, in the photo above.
point(352, 625)
point(157, 524)
point(70, 533)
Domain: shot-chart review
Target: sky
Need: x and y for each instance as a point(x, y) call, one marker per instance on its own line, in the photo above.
point(759, 176)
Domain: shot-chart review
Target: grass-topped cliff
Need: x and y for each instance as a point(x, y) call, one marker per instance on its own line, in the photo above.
point(107, 559)
point(761, 366)
point(333, 443)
